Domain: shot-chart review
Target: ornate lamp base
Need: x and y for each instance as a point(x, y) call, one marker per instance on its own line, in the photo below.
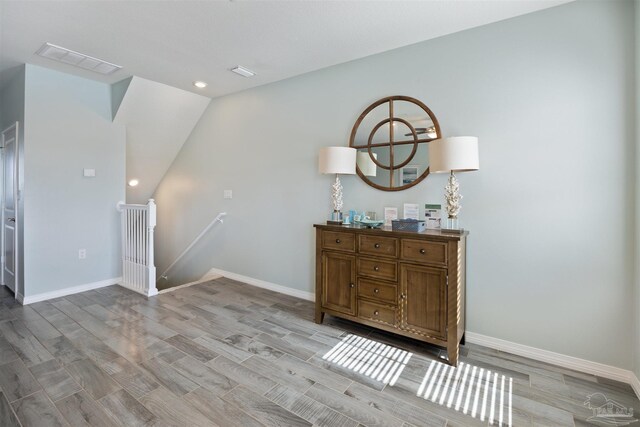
point(453, 197)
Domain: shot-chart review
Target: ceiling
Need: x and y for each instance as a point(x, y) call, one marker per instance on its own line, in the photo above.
point(178, 42)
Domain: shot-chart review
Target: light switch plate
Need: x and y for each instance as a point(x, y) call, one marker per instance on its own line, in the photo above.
point(228, 194)
point(89, 173)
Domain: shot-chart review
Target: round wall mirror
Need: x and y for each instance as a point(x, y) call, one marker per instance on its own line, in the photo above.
point(391, 137)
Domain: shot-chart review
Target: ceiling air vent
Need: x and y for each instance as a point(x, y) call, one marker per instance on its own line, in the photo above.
point(77, 59)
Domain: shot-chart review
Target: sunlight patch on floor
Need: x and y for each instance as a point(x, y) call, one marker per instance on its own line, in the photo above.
point(474, 391)
point(378, 361)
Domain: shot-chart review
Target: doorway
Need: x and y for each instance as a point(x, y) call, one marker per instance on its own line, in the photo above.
point(9, 255)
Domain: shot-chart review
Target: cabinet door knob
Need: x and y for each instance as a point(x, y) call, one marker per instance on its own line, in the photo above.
point(422, 251)
point(375, 313)
point(338, 241)
point(351, 285)
point(402, 296)
point(377, 245)
point(376, 268)
point(376, 290)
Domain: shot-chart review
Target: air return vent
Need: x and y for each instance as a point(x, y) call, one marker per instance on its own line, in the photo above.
point(77, 59)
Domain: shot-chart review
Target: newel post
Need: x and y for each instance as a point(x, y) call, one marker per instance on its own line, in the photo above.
point(151, 268)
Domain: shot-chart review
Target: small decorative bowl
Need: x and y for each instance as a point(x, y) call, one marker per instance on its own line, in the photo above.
point(371, 223)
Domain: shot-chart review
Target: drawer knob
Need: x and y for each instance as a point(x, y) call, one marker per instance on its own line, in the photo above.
point(376, 291)
point(375, 313)
point(422, 251)
point(338, 241)
point(376, 268)
point(377, 245)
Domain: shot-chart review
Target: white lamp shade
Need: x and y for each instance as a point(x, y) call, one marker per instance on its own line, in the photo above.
point(457, 154)
point(366, 165)
point(337, 160)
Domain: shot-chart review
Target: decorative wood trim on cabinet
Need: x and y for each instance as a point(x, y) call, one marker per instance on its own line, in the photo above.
point(412, 284)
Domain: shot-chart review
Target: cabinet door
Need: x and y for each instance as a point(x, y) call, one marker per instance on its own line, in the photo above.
point(338, 282)
point(423, 300)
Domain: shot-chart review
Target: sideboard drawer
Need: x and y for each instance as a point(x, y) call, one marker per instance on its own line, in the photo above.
point(423, 251)
point(377, 312)
point(382, 292)
point(378, 269)
point(376, 245)
point(339, 241)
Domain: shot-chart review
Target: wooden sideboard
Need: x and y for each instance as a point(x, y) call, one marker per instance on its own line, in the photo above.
point(412, 284)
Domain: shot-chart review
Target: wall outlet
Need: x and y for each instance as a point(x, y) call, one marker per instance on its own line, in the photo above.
point(228, 194)
point(82, 253)
point(89, 173)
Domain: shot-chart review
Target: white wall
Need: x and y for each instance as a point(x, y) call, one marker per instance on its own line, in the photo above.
point(12, 98)
point(69, 128)
point(550, 95)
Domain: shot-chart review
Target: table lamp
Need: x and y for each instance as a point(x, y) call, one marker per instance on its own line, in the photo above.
point(337, 160)
point(454, 154)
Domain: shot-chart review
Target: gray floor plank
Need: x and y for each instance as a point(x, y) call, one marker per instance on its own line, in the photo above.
point(63, 350)
point(7, 353)
point(133, 379)
point(205, 376)
point(93, 379)
point(282, 345)
point(412, 414)
point(193, 349)
point(127, 410)
point(25, 343)
point(172, 410)
point(16, 381)
point(215, 409)
point(169, 377)
point(55, 380)
point(223, 348)
point(242, 375)
point(279, 372)
point(7, 415)
point(37, 410)
point(81, 410)
point(352, 407)
point(261, 408)
point(308, 409)
point(249, 345)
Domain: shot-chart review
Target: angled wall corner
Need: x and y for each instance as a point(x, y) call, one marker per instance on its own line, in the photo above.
point(158, 120)
point(118, 90)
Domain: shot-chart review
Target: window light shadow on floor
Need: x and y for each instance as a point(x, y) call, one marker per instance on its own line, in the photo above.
point(474, 391)
point(379, 361)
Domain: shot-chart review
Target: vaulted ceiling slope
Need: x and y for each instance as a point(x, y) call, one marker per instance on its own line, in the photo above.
point(177, 42)
point(158, 120)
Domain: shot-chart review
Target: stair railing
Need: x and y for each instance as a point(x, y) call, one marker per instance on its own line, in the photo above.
point(192, 244)
point(138, 268)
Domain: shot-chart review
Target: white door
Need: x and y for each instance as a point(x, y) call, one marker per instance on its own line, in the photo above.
point(9, 206)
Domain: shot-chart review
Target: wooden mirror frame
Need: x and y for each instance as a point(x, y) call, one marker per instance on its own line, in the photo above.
point(392, 167)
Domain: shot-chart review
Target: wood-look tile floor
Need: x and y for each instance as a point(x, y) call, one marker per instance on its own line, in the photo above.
point(223, 353)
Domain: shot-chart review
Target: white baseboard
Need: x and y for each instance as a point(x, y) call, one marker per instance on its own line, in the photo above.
point(557, 359)
point(69, 291)
point(309, 296)
point(203, 279)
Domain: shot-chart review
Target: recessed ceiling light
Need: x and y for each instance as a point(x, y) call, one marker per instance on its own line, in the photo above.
point(245, 72)
point(68, 56)
point(133, 182)
point(199, 84)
